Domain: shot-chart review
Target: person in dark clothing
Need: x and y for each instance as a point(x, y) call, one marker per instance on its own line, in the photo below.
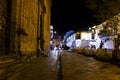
point(101, 45)
point(65, 47)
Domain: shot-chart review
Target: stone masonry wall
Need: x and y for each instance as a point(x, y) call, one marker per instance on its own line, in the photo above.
point(25, 16)
point(47, 24)
point(3, 17)
point(29, 17)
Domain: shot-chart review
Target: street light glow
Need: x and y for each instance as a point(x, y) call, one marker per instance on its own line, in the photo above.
point(89, 28)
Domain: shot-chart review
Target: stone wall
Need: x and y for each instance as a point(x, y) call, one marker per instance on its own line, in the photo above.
point(3, 24)
point(47, 25)
point(25, 26)
point(20, 24)
point(29, 17)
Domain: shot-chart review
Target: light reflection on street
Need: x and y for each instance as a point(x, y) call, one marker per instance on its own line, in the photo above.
point(54, 54)
point(79, 67)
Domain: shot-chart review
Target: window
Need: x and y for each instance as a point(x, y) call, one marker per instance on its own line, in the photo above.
point(78, 36)
point(93, 36)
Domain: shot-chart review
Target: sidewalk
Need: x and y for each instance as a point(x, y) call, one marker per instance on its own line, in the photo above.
point(4, 60)
point(42, 68)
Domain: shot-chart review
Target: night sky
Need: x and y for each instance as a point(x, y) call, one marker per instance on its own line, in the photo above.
point(70, 15)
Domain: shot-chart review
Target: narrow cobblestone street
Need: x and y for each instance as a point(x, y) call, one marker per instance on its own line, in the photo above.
point(74, 67)
point(79, 67)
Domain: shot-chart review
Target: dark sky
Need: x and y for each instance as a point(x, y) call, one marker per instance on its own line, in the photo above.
point(70, 14)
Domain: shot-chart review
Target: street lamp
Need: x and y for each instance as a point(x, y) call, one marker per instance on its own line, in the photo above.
point(89, 28)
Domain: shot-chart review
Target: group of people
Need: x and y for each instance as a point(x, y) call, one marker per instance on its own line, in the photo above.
point(58, 45)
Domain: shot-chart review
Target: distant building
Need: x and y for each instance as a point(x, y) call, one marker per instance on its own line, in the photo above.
point(51, 32)
point(113, 26)
point(80, 39)
point(93, 36)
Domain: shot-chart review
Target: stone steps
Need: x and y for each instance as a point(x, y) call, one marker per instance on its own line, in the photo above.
point(10, 67)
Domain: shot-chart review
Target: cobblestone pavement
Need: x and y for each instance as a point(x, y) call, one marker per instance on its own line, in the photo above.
point(42, 68)
point(79, 67)
point(74, 67)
